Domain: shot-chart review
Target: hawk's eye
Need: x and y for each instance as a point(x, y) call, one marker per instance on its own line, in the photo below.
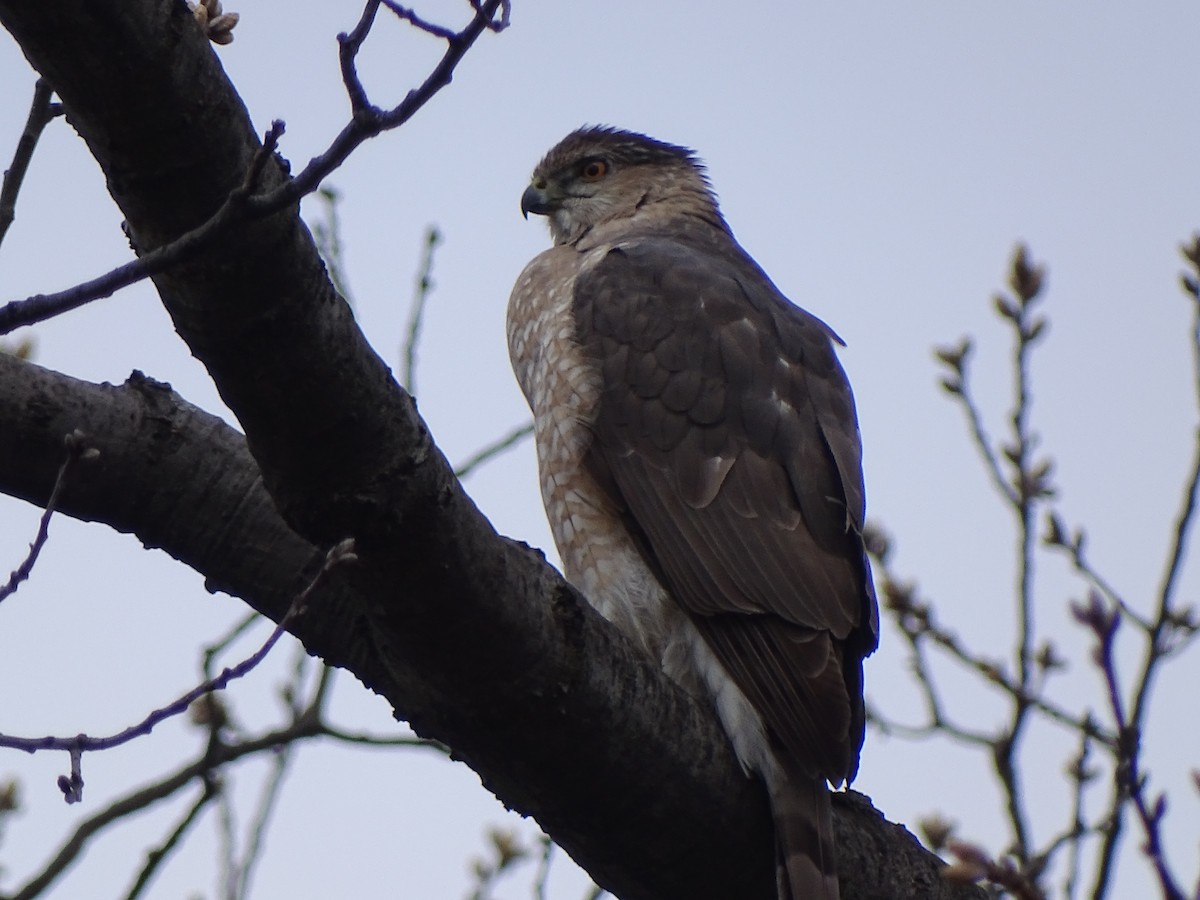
point(593, 170)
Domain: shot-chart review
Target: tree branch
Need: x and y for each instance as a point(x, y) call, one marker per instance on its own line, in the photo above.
point(241, 204)
point(76, 449)
point(472, 638)
point(166, 468)
point(41, 112)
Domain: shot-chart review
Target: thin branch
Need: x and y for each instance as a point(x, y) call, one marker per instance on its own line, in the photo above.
point(250, 182)
point(367, 122)
point(916, 619)
point(933, 703)
point(258, 826)
point(1128, 777)
point(378, 740)
point(349, 45)
point(316, 704)
point(543, 869)
point(236, 208)
point(72, 785)
point(1080, 776)
point(227, 832)
point(1073, 546)
point(934, 727)
point(77, 449)
point(417, 22)
point(1027, 487)
point(416, 316)
point(156, 857)
point(1026, 281)
point(213, 757)
point(1165, 618)
point(1164, 615)
point(495, 448)
point(327, 235)
point(306, 727)
point(1187, 512)
point(243, 870)
point(213, 650)
point(958, 386)
point(41, 113)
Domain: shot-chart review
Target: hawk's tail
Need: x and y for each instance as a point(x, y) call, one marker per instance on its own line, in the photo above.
point(806, 864)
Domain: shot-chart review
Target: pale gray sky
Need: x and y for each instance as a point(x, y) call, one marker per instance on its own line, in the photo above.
point(879, 161)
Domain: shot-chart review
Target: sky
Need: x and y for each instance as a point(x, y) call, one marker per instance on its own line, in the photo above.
point(880, 161)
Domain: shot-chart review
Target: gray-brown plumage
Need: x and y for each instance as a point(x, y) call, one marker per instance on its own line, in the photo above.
point(701, 466)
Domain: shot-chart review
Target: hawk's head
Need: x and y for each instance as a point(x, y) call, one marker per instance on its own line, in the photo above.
point(597, 174)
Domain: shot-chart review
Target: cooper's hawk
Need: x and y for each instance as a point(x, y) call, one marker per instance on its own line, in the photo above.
point(701, 466)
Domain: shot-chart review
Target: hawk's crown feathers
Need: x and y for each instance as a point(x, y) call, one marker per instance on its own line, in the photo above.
point(598, 173)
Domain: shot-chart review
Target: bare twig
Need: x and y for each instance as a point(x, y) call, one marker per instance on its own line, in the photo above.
point(1104, 622)
point(496, 447)
point(411, 17)
point(327, 235)
point(1026, 281)
point(367, 122)
point(916, 621)
point(41, 112)
point(1056, 537)
point(72, 785)
point(236, 208)
point(306, 723)
point(1164, 616)
point(1166, 622)
point(379, 740)
point(543, 870)
point(156, 857)
point(1187, 512)
point(213, 757)
point(349, 44)
point(958, 386)
point(416, 315)
point(1080, 775)
point(77, 449)
point(227, 833)
point(1023, 492)
point(219, 646)
point(239, 870)
point(258, 825)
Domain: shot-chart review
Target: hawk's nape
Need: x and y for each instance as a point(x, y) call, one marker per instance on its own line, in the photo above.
point(701, 466)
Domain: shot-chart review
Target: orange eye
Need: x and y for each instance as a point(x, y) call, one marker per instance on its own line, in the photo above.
point(593, 170)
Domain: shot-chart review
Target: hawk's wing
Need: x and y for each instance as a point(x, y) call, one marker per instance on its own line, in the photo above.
point(726, 431)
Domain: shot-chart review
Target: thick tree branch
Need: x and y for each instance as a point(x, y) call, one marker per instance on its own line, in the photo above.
point(472, 638)
point(182, 480)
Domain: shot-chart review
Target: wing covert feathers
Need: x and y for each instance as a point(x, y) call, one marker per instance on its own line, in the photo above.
point(728, 429)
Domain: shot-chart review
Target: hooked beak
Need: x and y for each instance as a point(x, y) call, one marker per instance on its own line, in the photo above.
point(536, 200)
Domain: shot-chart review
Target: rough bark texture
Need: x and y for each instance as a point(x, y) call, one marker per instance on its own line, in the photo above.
point(471, 637)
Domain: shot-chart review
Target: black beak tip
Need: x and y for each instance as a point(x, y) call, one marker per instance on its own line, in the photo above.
point(533, 201)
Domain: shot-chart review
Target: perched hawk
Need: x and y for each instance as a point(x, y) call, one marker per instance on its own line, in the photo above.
point(701, 466)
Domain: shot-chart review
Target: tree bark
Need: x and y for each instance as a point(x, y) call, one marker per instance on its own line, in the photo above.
point(472, 637)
